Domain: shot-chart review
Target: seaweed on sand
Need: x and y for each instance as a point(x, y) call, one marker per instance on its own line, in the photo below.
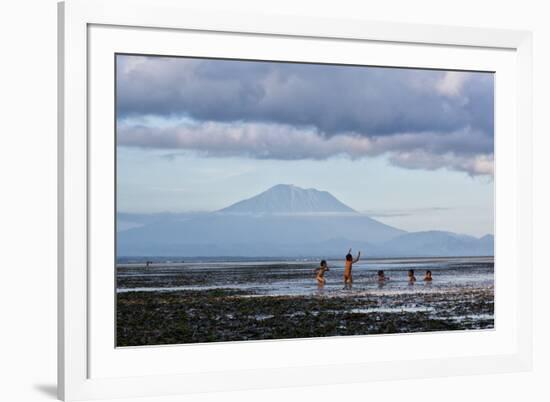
point(221, 315)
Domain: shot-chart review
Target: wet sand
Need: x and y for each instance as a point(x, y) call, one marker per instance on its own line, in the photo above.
point(199, 303)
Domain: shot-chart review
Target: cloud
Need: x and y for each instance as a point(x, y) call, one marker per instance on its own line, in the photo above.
point(423, 119)
point(333, 99)
point(463, 150)
point(451, 83)
point(474, 165)
point(392, 213)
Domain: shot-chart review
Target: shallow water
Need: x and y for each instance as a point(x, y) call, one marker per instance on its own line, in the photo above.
point(279, 278)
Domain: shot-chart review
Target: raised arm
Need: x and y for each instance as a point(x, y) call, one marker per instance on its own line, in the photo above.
point(357, 258)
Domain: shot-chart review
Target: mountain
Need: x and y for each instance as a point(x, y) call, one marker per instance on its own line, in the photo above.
point(283, 221)
point(229, 234)
point(437, 243)
point(289, 199)
point(487, 240)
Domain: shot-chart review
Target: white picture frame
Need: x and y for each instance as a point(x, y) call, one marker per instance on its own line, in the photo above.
point(89, 365)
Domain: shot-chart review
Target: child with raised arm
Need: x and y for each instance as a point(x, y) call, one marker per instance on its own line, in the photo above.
point(348, 280)
point(321, 273)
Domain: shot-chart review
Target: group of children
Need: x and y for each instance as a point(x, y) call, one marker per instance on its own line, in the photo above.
point(411, 277)
point(323, 268)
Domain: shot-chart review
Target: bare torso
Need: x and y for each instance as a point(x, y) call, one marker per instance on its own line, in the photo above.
point(347, 268)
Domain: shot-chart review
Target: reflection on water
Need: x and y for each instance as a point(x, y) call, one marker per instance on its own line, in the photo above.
point(298, 278)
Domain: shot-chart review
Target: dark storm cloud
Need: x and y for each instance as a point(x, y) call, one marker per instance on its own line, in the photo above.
point(375, 101)
point(299, 111)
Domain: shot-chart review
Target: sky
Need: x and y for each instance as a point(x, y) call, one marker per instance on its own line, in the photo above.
point(412, 148)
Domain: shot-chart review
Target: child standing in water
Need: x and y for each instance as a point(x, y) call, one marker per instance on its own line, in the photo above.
point(321, 273)
point(347, 268)
point(412, 278)
point(428, 277)
point(382, 277)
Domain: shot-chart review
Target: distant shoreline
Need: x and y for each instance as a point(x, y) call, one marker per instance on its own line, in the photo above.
point(174, 261)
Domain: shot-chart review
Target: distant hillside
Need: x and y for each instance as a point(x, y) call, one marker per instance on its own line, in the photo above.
point(437, 243)
point(249, 235)
point(284, 221)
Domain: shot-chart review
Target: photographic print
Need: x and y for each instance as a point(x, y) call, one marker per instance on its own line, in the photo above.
point(264, 200)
